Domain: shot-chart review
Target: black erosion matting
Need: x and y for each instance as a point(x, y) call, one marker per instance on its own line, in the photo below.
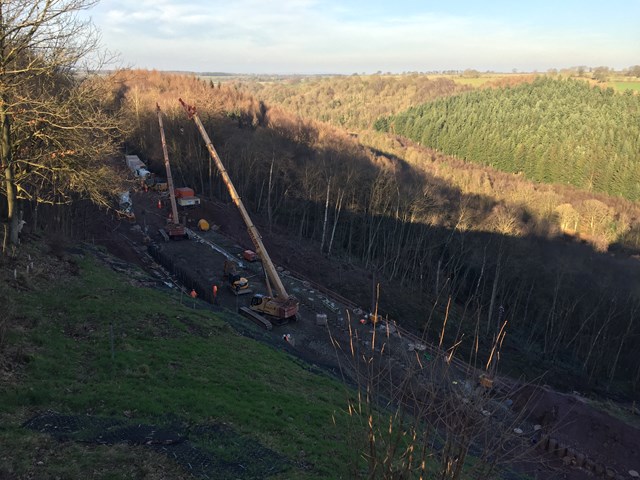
point(213, 451)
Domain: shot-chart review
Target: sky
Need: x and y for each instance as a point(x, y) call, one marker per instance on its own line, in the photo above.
point(359, 36)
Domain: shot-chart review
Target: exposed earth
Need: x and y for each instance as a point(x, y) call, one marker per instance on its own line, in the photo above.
point(592, 443)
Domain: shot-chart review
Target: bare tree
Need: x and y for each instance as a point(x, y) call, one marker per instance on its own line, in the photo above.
point(56, 117)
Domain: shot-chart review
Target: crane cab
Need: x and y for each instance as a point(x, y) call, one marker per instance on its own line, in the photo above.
point(285, 310)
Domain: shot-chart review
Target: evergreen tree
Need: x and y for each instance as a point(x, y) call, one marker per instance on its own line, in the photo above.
point(552, 130)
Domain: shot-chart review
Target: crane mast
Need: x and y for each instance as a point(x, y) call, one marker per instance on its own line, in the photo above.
point(282, 297)
point(172, 195)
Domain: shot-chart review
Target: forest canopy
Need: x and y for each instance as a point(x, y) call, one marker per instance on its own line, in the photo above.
point(552, 131)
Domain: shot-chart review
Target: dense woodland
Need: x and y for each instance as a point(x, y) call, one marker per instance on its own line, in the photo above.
point(521, 207)
point(569, 307)
point(348, 101)
point(552, 131)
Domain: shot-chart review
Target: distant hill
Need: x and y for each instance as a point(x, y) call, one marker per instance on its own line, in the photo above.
point(553, 131)
point(353, 102)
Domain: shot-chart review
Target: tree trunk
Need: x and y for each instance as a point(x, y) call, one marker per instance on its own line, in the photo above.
point(7, 165)
point(5, 238)
point(36, 209)
point(335, 220)
point(494, 290)
point(14, 229)
point(326, 216)
point(624, 337)
point(269, 193)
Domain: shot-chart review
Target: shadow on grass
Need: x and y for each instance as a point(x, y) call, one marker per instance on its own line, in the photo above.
point(205, 451)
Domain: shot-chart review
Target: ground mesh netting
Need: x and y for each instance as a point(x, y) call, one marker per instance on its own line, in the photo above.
point(213, 451)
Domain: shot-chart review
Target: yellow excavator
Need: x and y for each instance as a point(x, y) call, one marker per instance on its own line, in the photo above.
point(238, 284)
point(264, 309)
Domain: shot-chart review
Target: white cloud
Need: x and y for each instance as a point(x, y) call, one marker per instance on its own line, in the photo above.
point(315, 36)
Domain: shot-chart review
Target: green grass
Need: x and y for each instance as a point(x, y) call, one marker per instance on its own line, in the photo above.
point(168, 360)
point(170, 365)
point(623, 86)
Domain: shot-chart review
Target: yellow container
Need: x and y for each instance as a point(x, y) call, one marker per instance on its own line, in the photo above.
point(203, 225)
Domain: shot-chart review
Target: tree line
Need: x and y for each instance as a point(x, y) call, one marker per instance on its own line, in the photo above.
point(523, 208)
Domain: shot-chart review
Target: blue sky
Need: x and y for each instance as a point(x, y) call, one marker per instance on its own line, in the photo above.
point(349, 36)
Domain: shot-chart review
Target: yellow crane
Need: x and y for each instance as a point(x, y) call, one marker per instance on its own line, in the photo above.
point(280, 306)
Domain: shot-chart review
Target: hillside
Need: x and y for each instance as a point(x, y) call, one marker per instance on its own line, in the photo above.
point(452, 257)
point(427, 226)
point(552, 131)
point(347, 101)
point(432, 274)
point(549, 209)
point(107, 372)
point(110, 357)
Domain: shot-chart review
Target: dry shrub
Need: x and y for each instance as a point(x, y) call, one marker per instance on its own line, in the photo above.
point(421, 413)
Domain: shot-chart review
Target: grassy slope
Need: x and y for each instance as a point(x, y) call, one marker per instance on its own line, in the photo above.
point(169, 360)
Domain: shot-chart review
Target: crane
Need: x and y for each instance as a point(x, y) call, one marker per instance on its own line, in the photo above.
point(281, 306)
point(173, 228)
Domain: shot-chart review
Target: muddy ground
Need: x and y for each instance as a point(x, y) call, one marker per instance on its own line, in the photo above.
point(569, 419)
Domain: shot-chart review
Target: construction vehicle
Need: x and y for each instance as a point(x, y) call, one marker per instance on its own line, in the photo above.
point(238, 284)
point(137, 167)
point(173, 229)
point(156, 183)
point(186, 197)
point(264, 309)
point(125, 207)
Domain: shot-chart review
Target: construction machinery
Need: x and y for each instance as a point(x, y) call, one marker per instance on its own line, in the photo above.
point(238, 284)
point(281, 307)
point(186, 197)
point(125, 207)
point(156, 183)
point(137, 167)
point(173, 229)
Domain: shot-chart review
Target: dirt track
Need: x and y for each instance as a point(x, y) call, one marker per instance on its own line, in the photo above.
point(568, 418)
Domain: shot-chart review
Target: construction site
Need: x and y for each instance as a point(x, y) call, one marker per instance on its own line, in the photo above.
point(214, 255)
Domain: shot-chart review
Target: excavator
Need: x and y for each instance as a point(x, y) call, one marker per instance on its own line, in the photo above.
point(173, 229)
point(238, 284)
point(264, 309)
